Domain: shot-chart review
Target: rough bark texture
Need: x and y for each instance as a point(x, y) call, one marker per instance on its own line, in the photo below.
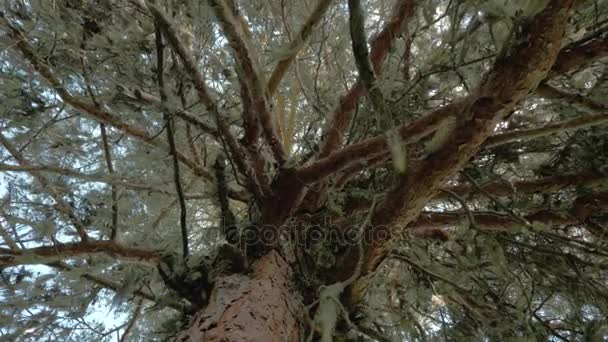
point(260, 307)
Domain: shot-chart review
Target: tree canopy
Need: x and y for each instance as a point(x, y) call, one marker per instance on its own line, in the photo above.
point(427, 170)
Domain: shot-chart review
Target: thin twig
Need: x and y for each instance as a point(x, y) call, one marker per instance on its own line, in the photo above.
point(60, 204)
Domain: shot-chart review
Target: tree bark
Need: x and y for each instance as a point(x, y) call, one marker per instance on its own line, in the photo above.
point(262, 306)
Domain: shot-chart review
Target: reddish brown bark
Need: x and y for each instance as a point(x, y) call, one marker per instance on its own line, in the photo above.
point(514, 76)
point(568, 59)
point(590, 180)
point(260, 307)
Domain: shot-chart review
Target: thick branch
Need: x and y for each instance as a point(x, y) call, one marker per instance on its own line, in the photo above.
point(503, 188)
point(351, 155)
point(490, 221)
point(296, 45)
point(432, 224)
point(370, 147)
point(542, 186)
point(568, 59)
point(515, 74)
point(49, 254)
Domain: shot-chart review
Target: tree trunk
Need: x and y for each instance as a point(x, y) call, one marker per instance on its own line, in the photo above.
point(262, 306)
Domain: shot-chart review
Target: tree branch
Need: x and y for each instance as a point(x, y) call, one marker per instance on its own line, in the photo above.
point(97, 113)
point(114, 192)
point(515, 74)
point(428, 223)
point(6, 236)
point(501, 188)
point(250, 73)
point(350, 157)
point(143, 97)
point(171, 140)
point(114, 180)
point(49, 254)
point(240, 158)
point(114, 286)
point(296, 45)
point(548, 92)
point(60, 204)
point(133, 320)
point(558, 127)
point(341, 116)
point(364, 67)
point(580, 54)
point(356, 152)
point(568, 59)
